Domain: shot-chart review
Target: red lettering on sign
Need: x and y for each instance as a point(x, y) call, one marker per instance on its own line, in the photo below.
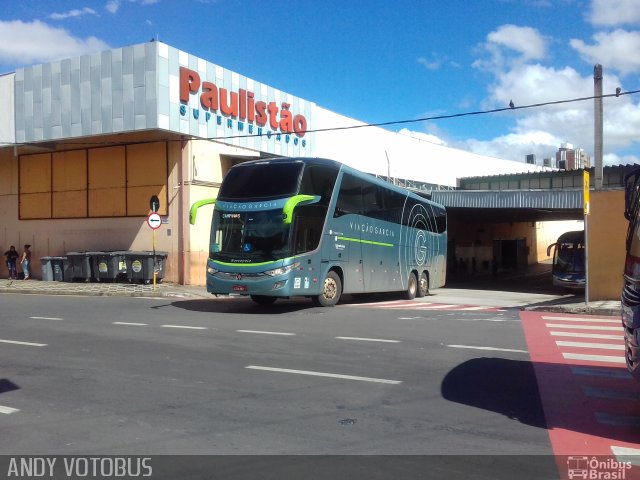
point(241, 104)
point(189, 83)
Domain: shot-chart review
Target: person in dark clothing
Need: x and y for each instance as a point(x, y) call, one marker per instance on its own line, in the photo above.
point(11, 256)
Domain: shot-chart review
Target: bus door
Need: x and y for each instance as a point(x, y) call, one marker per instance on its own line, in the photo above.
point(344, 242)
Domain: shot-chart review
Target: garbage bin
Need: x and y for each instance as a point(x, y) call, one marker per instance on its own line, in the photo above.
point(47, 269)
point(140, 266)
point(59, 268)
point(105, 265)
point(78, 267)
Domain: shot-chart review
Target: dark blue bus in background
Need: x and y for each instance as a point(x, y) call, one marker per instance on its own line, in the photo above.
point(568, 268)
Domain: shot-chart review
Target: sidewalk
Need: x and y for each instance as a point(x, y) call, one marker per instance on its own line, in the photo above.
point(559, 304)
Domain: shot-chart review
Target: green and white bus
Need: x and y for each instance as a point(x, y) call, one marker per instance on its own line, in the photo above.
point(308, 227)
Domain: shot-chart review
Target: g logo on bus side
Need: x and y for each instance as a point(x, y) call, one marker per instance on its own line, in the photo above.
point(421, 247)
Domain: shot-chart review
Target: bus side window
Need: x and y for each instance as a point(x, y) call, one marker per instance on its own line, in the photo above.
point(349, 196)
point(319, 180)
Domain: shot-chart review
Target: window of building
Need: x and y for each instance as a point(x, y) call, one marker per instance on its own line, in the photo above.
point(97, 182)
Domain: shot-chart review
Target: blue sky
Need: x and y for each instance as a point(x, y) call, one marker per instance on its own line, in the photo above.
point(379, 61)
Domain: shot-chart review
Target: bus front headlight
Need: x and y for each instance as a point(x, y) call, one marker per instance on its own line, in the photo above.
point(211, 271)
point(282, 270)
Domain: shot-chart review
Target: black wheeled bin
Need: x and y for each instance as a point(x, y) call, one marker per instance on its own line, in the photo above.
point(54, 269)
point(78, 267)
point(140, 266)
point(105, 265)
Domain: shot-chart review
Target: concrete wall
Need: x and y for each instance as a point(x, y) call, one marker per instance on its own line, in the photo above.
point(606, 235)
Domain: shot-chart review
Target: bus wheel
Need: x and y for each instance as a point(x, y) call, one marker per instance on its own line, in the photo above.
point(331, 291)
point(423, 285)
point(412, 287)
point(263, 299)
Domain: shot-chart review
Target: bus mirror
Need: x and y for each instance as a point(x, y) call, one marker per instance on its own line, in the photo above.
point(293, 202)
point(549, 249)
point(194, 208)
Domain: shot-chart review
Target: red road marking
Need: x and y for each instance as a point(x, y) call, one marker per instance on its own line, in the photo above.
point(579, 421)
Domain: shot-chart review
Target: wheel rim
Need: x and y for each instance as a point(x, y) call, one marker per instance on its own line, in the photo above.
point(330, 289)
point(424, 284)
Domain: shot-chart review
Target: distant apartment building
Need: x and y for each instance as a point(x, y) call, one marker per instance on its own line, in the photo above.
point(570, 158)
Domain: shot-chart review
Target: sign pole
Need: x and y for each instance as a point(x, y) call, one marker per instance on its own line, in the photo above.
point(586, 205)
point(154, 259)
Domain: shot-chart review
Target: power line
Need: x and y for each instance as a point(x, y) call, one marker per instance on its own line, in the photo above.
point(511, 107)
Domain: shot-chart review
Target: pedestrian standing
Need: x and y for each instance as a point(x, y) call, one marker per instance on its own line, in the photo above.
point(25, 261)
point(12, 257)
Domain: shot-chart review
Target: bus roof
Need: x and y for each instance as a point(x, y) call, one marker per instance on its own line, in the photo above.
point(338, 165)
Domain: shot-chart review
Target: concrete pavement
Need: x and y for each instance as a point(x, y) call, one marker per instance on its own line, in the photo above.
point(523, 300)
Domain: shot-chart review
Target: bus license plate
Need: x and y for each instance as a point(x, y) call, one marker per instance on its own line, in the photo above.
point(239, 288)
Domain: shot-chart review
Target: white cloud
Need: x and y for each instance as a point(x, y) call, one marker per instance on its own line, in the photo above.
point(540, 130)
point(619, 50)
point(514, 146)
point(429, 64)
point(73, 13)
point(510, 45)
point(112, 6)
point(26, 43)
point(609, 13)
point(525, 40)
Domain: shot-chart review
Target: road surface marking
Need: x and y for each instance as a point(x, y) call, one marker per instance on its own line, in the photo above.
point(30, 344)
point(619, 420)
point(8, 410)
point(582, 319)
point(584, 327)
point(46, 318)
point(396, 304)
point(130, 323)
point(593, 358)
point(610, 393)
point(476, 308)
point(265, 333)
point(489, 348)
point(601, 372)
point(626, 454)
point(430, 307)
point(361, 339)
point(184, 326)
point(599, 336)
point(603, 346)
point(322, 374)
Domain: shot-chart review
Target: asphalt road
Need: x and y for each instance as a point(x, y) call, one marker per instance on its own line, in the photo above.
point(141, 376)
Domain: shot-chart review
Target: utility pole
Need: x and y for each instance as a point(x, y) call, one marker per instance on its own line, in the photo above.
point(597, 137)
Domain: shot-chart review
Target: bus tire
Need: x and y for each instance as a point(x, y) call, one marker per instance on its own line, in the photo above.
point(331, 291)
point(412, 287)
point(263, 299)
point(423, 285)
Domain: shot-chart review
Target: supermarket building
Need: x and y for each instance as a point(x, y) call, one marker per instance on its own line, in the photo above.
point(86, 141)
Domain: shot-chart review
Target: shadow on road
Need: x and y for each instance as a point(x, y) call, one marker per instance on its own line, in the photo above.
point(7, 386)
point(510, 387)
point(244, 306)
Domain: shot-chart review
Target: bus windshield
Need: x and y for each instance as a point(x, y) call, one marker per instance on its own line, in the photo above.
point(250, 237)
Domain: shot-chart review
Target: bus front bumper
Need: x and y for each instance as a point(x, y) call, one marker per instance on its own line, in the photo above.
point(291, 282)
